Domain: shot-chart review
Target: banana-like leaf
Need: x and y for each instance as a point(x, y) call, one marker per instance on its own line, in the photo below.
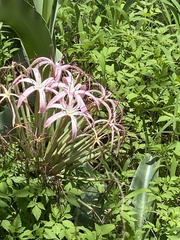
point(29, 26)
point(145, 173)
point(128, 4)
point(45, 8)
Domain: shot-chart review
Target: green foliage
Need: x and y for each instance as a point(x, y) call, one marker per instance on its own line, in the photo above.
point(165, 192)
point(132, 48)
point(7, 50)
point(31, 210)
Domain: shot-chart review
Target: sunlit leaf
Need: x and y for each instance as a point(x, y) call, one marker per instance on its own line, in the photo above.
point(29, 26)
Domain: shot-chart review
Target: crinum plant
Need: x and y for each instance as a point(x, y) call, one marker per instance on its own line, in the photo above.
point(61, 118)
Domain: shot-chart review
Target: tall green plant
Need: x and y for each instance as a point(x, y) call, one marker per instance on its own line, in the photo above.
point(29, 26)
point(145, 173)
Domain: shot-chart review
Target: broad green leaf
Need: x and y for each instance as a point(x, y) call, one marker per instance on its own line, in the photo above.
point(5, 196)
point(3, 187)
point(139, 52)
point(3, 204)
point(76, 191)
point(58, 228)
point(107, 228)
point(72, 200)
point(18, 179)
point(123, 14)
point(17, 223)
point(31, 204)
point(104, 229)
point(40, 205)
point(146, 172)
point(100, 59)
point(29, 26)
point(36, 211)
point(106, 52)
point(47, 9)
point(21, 193)
point(132, 96)
point(164, 118)
point(68, 224)
point(5, 224)
point(38, 4)
point(48, 234)
point(44, 8)
point(27, 234)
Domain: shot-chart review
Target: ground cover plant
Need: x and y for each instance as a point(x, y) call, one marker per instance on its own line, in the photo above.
point(90, 126)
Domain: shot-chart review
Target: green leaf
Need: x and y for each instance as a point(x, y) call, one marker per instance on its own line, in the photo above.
point(68, 224)
point(132, 96)
point(107, 228)
point(27, 234)
point(36, 211)
point(49, 234)
point(58, 228)
point(101, 61)
point(106, 52)
point(3, 187)
point(17, 223)
point(29, 26)
point(3, 204)
point(31, 204)
point(146, 172)
point(5, 224)
point(169, 57)
point(18, 179)
point(137, 192)
point(174, 163)
point(76, 191)
point(5, 196)
point(40, 205)
point(164, 118)
point(72, 200)
point(177, 149)
point(21, 193)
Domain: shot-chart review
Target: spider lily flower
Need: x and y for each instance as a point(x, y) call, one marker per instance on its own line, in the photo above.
point(71, 110)
point(114, 104)
point(109, 128)
point(74, 92)
point(38, 85)
point(112, 123)
point(7, 95)
point(57, 68)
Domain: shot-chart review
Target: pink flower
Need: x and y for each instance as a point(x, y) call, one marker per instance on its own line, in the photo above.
point(56, 69)
point(37, 85)
point(70, 90)
point(71, 110)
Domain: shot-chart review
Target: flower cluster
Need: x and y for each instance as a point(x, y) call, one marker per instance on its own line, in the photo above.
point(65, 101)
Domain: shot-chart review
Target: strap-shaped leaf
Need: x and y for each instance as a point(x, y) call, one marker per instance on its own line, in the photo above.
point(29, 26)
point(145, 173)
